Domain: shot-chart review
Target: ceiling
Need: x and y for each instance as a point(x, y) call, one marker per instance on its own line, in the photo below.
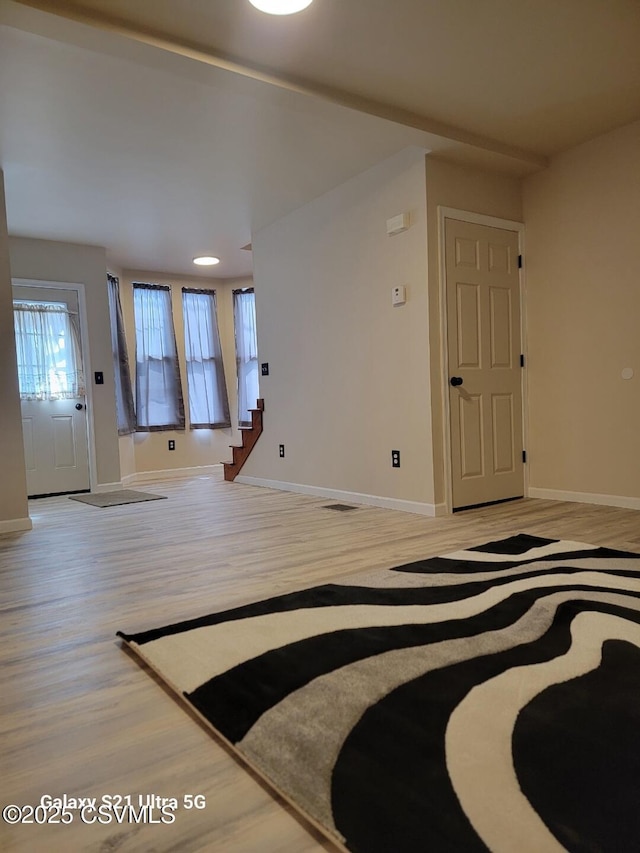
point(163, 129)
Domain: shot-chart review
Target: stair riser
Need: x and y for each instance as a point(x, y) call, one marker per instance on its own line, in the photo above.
point(250, 436)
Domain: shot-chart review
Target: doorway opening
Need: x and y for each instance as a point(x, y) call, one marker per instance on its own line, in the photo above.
point(52, 365)
point(482, 330)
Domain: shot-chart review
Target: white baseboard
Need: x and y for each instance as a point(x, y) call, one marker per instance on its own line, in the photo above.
point(584, 498)
point(107, 487)
point(15, 525)
point(350, 497)
point(170, 474)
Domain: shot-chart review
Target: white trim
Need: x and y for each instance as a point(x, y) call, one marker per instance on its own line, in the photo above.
point(170, 474)
point(107, 487)
point(480, 218)
point(444, 360)
point(86, 360)
point(15, 525)
point(584, 498)
point(524, 344)
point(352, 497)
point(492, 222)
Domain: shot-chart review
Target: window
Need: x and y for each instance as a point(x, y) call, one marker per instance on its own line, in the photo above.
point(49, 361)
point(124, 395)
point(159, 403)
point(208, 401)
point(244, 310)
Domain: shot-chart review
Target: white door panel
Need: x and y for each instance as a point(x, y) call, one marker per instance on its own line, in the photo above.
point(483, 326)
point(55, 446)
point(54, 431)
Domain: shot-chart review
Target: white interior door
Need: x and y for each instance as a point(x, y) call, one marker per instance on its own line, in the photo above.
point(485, 382)
point(55, 430)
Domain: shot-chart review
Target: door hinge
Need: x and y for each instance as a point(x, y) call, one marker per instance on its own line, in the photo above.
point(521, 360)
point(519, 262)
point(524, 456)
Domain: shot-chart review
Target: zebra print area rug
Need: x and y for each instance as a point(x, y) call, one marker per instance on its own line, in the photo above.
point(484, 699)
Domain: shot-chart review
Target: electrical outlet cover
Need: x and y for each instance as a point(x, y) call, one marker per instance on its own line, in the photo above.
point(399, 295)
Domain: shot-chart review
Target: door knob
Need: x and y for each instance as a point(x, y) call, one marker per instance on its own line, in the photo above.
point(79, 407)
point(455, 381)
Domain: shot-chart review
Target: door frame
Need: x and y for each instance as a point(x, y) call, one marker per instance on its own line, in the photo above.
point(79, 288)
point(445, 213)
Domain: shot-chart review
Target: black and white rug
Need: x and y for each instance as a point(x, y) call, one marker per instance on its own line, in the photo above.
point(484, 699)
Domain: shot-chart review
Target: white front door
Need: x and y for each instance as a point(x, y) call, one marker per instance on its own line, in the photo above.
point(485, 381)
point(55, 430)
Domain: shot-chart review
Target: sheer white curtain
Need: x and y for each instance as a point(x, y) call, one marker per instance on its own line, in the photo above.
point(208, 401)
point(159, 403)
point(124, 395)
point(48, 351)
point(244, 307)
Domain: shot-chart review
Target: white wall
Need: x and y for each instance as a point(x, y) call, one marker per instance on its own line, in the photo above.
point(45, 260)
point(582, 266)
point(14, 512)
point(349, 373)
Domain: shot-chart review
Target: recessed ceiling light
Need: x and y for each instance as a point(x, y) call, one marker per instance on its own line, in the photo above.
point(280, 7)
point(206, 261)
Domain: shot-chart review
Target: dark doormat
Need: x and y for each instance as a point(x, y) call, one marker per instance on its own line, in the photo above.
point(124, 496)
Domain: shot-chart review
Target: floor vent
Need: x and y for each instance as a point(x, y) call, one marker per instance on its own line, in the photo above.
point(339, 507)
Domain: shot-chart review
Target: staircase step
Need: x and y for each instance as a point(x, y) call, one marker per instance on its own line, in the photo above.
point(250, 435)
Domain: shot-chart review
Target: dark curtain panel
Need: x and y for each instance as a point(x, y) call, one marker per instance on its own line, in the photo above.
point(124, 392)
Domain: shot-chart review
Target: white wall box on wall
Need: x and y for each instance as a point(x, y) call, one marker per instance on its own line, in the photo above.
point(398, 224)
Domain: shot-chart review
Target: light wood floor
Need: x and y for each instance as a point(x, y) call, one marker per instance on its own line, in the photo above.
point(81, 716)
